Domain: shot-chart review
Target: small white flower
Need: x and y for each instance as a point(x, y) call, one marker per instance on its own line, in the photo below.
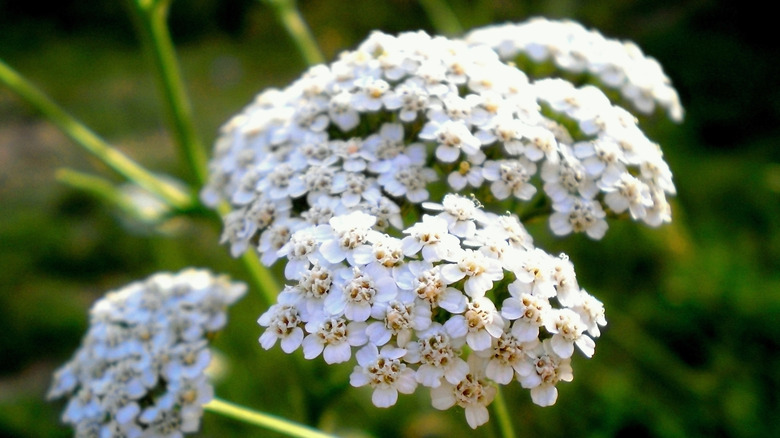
point(384, 372)
point(529, 313)
point(387, 251)
point(371, 93)
point(549, 369)
point(533, 270)
point(480, 269)
point(312, 288)
point(407, 180)
point(284, 324)
point(591, 312)
point(602, 159)
point(508, 357)
point(629, 193)
point(275, 237)
point(459, 212)
point(509, 228)
point(566, 287)
point(578, 215)
point(409, 97)
point(397, 318)
point(510, 178)
point(300, 251)
point(358, 290)
point(438, 353)
point(342, 112)
point(479, 323)
point(333, 337)
point(567, 331)
point(567, 177)
point(452, 137)
point(426, 282)
point(541, 144)
point(468, 172)
point(432, 237)
point(346, 238)
point(473, 393)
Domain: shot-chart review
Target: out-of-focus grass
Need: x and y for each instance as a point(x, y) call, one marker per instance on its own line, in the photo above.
point(691, 348)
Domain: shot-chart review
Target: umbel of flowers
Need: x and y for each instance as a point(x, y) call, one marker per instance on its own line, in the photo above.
point(355, 176)
point(140, 368)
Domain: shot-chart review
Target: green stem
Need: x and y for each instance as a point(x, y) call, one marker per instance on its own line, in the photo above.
point(94, 185)
point(153, 29)
point(151, 17)
point(87, 139)
point(264, 420)
point(502, 414)
point(442, 17)
point(290, 17)
point(261, 277)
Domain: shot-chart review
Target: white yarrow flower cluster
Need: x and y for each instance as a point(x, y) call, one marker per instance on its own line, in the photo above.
point(140, 368)
point(342, 176)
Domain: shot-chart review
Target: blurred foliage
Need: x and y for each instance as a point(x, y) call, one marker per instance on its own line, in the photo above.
point(693, 341)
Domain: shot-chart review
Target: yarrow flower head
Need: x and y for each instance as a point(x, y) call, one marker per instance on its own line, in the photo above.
point(140, 368)
point(388, 181)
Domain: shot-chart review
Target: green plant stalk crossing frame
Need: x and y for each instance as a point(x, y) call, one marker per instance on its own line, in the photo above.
point(263, 420)
point(90, 141)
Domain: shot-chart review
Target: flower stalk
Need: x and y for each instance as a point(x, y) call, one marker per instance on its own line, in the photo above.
point(153, 30)
point(290, 17)
point(91, 142)
point(262, 419)
point(501, 411)
point(442, 17)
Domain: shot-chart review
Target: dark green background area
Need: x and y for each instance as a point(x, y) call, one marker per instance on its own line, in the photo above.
point(692, 344)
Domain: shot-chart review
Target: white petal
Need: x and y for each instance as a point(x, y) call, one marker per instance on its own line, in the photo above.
point(479, 340)
point(311, 347)
point(292, 341)
point(268, 339)
point(430, 376)
point(499, 372)
point(442, 397)
point(562, 347)
point(476, 415)
point(457, 371)
point(384, 397)
point(586, 345)
point(451, 273)
point(544, 395)
point(337, 353)
point(367, 355)
point(358, 377)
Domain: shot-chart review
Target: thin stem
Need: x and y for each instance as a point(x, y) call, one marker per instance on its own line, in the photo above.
point(156, 39)
point(151, 18)
point(442, 17)
point(264, 420)
point(107, 191)
point(94, 185)
point(502, 414)
point(290, 17)
point(87, 139)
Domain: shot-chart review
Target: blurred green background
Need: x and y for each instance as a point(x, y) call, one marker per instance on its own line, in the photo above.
point(693, 342)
